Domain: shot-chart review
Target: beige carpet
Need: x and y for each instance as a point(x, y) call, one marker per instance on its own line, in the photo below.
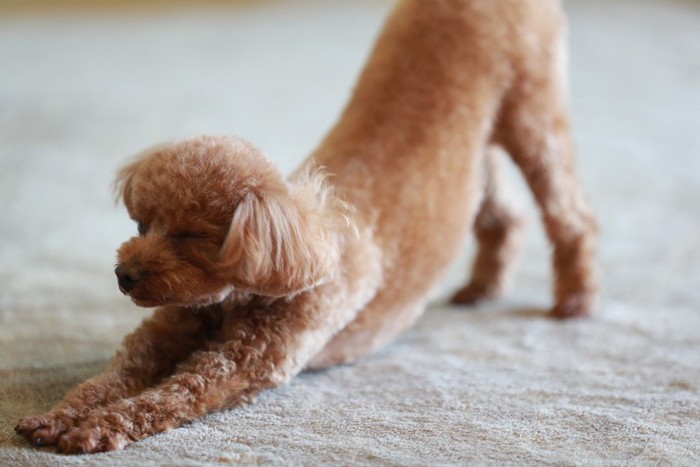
point(500, 385)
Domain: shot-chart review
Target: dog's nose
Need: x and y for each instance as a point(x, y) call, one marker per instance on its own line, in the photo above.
point(127, 276)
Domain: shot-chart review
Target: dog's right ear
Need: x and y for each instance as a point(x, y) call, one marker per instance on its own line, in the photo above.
point(285, 238)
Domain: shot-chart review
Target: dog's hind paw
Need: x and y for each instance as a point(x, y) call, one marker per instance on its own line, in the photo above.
point(473, 294)
point(575, 306)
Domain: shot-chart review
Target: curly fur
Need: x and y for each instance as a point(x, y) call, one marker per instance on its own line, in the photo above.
point(256, 277)
point(286, 236)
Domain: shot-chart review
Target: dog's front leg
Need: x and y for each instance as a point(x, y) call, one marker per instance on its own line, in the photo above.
point(208, 382)
point(265, 346)
point(147, 355)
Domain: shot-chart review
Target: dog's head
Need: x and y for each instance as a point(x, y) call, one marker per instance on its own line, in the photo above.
point(215, 215)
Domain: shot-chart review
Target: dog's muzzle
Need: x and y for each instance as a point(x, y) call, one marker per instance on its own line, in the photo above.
point(128, 277)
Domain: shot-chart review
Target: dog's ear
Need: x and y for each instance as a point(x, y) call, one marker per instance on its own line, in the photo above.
point(122, 182)
point(285, 239)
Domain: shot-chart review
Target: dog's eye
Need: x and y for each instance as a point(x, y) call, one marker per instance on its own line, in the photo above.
point(188, 235)
point(143, 228)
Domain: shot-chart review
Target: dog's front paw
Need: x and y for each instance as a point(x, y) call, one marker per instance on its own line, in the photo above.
point(44, 430)
point(92, 437)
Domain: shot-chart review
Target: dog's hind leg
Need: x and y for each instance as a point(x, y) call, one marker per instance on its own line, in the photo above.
point(534, 129)
point(498, 229)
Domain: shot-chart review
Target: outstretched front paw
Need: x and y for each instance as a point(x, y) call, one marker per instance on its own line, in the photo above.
point(91, 437)
point(44, 430)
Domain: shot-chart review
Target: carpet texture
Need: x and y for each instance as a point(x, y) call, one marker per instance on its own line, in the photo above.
point(502, 384)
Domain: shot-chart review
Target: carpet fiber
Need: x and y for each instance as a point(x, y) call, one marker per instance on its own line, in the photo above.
point(500, 384)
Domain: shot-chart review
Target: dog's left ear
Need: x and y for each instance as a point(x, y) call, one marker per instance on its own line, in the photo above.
point(122, 182)
point(285, 238)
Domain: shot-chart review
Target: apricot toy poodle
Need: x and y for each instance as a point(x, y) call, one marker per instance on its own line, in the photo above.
point(257, 277)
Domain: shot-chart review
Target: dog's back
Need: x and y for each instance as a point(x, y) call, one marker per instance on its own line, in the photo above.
point(440, 86)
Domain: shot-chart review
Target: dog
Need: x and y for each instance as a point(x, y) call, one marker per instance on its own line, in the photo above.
point(256, 277)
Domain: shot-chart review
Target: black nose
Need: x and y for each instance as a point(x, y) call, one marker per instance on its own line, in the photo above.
point(127, 276)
